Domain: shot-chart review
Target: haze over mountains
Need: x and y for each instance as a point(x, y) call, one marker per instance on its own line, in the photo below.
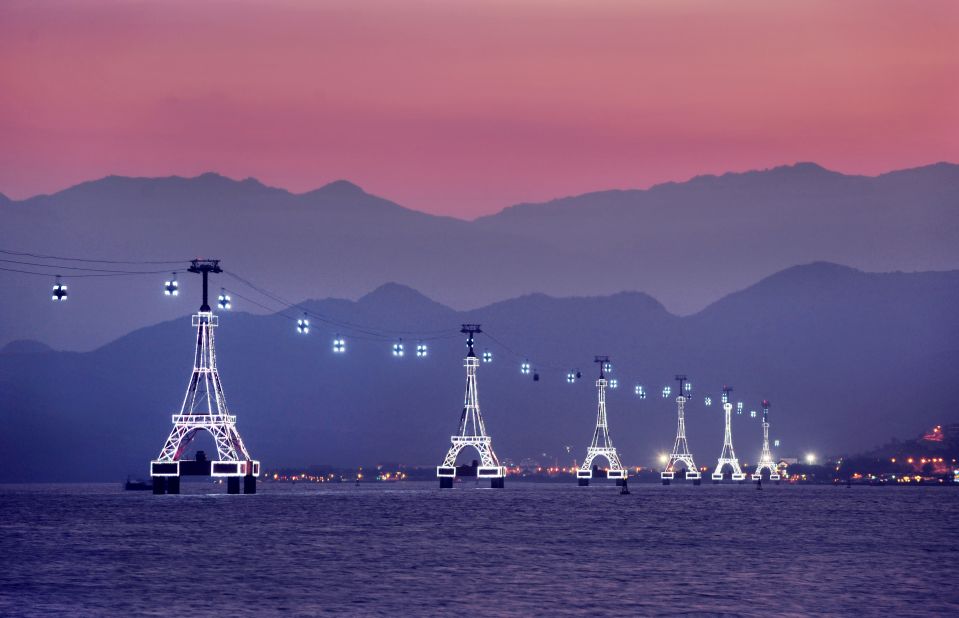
point(686, 244)
point(849, 359)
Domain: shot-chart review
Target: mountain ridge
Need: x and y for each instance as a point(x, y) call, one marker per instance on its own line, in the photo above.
point(687, 245)
point(345, 187)
point(800, 170)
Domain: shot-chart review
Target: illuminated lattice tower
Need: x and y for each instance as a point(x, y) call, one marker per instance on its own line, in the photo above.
point(204, 409)
point(602, 444)
point(766, 461)
point(681, 453)
point(728, 455)
point(472, 430)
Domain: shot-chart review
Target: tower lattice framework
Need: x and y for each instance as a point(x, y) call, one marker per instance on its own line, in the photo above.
point(766, 461)
point(472, 429)
point(728, 455)
point(204, 405)
point(602, 444)
point(681, 452)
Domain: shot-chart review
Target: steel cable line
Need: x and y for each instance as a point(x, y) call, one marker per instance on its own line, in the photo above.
point(89, 261)
point(373, 334)
point(84, 269)
point(78, 275)
point(337, 322)
point(282, 313)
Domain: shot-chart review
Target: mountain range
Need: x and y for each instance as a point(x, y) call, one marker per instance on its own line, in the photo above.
point(848, 359)
point(687, 244)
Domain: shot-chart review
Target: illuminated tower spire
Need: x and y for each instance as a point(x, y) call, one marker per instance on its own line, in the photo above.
point(602, 444)
point(766, 461)
point(472, 430)
point(728, 456)
point(681, 453)
point(204, 408)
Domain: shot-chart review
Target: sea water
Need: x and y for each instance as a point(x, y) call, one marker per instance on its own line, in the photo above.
point(409, 549)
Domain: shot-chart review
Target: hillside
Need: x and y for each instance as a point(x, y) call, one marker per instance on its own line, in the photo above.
point(686, 243)
point(849, 359)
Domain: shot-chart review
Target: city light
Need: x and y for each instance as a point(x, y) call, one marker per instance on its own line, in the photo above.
point(810, 458)
point(663, 458)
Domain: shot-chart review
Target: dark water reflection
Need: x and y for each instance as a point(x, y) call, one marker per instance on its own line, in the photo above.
point(531, 549)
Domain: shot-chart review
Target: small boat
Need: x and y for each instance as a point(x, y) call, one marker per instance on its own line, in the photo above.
point(138, 485)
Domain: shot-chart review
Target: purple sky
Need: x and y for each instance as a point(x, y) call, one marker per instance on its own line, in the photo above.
point(463, 108)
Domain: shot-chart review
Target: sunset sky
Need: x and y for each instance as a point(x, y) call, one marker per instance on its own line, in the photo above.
point(463, 108)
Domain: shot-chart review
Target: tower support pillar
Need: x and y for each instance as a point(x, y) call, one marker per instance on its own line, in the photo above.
point(472, 429)
point(159, 485)
point(602, 444)
point(766, 461)
point(728, 455)
point(204, 409)
point(681, 453)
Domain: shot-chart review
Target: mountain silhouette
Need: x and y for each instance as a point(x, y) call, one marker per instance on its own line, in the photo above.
point(25, 346)
point(848, 359)
point(685, 243)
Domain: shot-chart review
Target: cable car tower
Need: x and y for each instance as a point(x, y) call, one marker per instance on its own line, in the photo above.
point(602, 445)
point(204, 408)
point(681, 452)
point(728, 455)
point(472, 430)
point(766, 461)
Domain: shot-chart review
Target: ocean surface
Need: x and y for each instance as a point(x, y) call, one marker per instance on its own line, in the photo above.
point(409, 549)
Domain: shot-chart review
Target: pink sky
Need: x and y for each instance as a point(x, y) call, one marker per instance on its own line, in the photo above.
point(462, 108)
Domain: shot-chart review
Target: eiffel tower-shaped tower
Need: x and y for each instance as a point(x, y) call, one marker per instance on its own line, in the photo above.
point(472, 430)
point(728, 456)
point(204, 408)
point(766, 461)
point(681, 453)
point(602, 444)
